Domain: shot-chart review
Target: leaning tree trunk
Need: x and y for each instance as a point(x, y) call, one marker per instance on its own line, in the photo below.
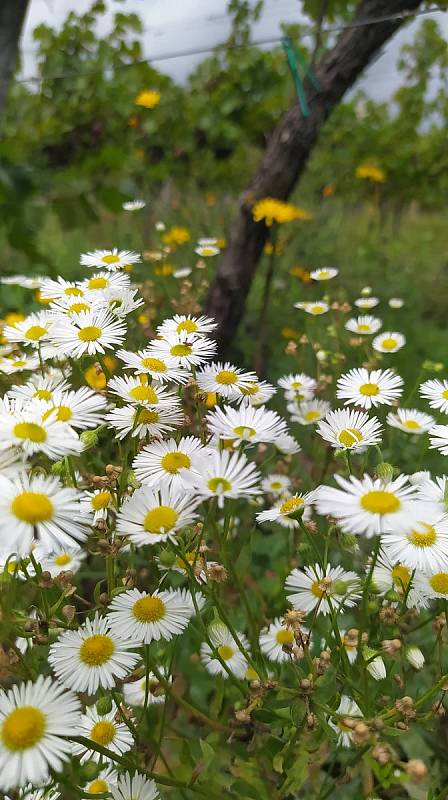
point(12, 15)
point(287, 152)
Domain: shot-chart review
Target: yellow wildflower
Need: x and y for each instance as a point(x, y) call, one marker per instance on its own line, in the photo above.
point(148, 98)
point(302, 273)
point(176, 236)
point(371, 173)
point(272, 210)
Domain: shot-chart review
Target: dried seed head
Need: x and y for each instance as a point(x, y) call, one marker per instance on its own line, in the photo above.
point(388, 615)
point(416, 769)
point(391, 646)
point(382, 753)
point(361, 733)
point(217, 573)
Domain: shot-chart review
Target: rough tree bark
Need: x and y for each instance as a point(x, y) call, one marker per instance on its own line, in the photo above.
point(286, 155)
point(12, 15)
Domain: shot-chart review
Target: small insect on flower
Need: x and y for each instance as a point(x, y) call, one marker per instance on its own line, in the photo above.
point(142, 618)
point(134, 787)
point(347, 711)
point(138, 691)
point(109, 259)
point(287, 512)
point(324, 274)
point(350, 430)
point(437, 393)
point(225, 475)
point(313, 587)
point(274, 638)
point(155, 515)
point(410, 420)
point(165, 463)
point(389, 342)
point(366, 389)
point(364, 325)
point(35, 719)
point(103, 730)
point(224, 646)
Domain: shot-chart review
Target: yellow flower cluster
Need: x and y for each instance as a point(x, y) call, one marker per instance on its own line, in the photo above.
point(148, 98)
point(176, 236)
point(272, 210)
point(371, 173)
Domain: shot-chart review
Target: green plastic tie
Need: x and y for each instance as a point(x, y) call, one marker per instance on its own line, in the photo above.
point(296, 58)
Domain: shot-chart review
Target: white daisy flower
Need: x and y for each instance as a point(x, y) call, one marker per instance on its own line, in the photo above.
point(309, 412)
point(368, 506)
point(183, 272)
point(314, 308)
point(366, 389)
point(144, 362)
point(72, 306)
point(313, 586)
point(286, 512)
point(350, 430)
point(34, 330)
point(34, 721)
point(433, 585)
point(165, 462)
point(364, 325)
point(60, 560)
point(143, 618)
point(396, 302)
point(350, 645)
point(98, 502)
point(207, 250)
point(39, 387)
point(139, 392)
point(135, 692)
point(437, 393)
point(97, 283)
point(276, 484)
point(257, 393)
point(141, 422)
point(186, 323)
point(188, 349)
point(81, 408)
point(273, 638)
point(26, 426)
point(207, 240)
point(349, 710)
point(18, 363)
point(39, 505)
point(434, 490)
point(29, 793)
point(245, 424)
point(389, 342)
point(59, 289)
point(324, 274)
point(298, 386)
point(410, 420)
point(366, 303)
point(287, 445)
point(155, 515)
point(91, 657)
point(109, 259)
point(121, 301)
point(12, 461)
point(439, 439)
point(21, 280)
point(135, 787)
point(133, 205)
point(225, 475)
point(105, 730)
point(420, 543)
point(394, 575)
point(103, 783)
point(225, 645)
point(419, 477)
point(224, 379)
point(89, 332)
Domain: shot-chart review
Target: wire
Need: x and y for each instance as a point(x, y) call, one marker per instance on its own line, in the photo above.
point(202, 50)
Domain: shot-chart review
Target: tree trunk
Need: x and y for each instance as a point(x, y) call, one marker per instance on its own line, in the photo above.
point(286, 155)
point(12, 15)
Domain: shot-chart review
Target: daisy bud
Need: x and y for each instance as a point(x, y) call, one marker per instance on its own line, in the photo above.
point(416, 769)
point(69, 612)
point(366, 291)
point(348, 542)
point(375, 667)
point(391, 646)
point(415, 657)
point(58, 468)
point(167, 558)
point(104, 705)
point(385, 471)
point(90, 438)
point(360, 733)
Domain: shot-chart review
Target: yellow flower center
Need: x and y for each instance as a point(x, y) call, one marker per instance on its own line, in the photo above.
point(291, 505)
point(103, 732)
point(389, 343)
point(160, 519)
point(363, 327)
point(412, 425)
point(144, 394)
point(226, 377)
point(225, 651)
point(349, 437)
point(445, 394)
point(250, 389)
point(317, 309)
point(110, 259)
point(424, 538)
point(369, 389)
point(98, 787)
point(244, 431)
point(219, 485)
point(187, 325)
point(101, 500)
point(42, 394)
point(401, 575)
point(181, 350)
point(98, 283)
point(91, 333)
point(296, 384)
point(35, 333)
point(147, 417)
point(311, 416)
point(380, 502)
point(73, 291)
point(317, 589)
point(96, 650)
point(285, 636)
point(19, 363)
point(439, 582)
point(149, 609)
point(154, 364)
point(62, 560)
point(173, 462)
point(32, 507)
point(323, 273)
point(275, 485)
point(23, 728)
point(76, 308)
point(64, 413)
point(31, 431)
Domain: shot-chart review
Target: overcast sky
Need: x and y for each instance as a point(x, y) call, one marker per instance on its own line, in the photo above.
point(179, 25)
